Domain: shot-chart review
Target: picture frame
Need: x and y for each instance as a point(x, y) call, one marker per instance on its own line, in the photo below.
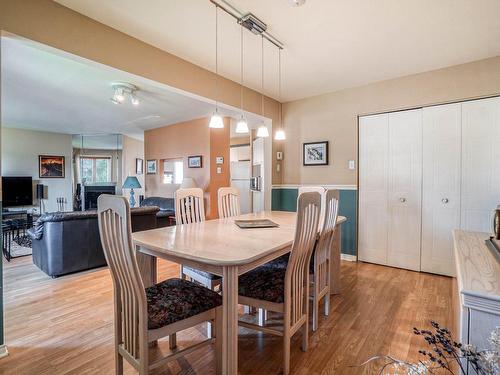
point(315, 153)
point(195, 161)
point(151, 166)
point(51, 166)
point(139, 166)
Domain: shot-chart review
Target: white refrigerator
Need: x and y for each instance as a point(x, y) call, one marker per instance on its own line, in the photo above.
point(240, 178)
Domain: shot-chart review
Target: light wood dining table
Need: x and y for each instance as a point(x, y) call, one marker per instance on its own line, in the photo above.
point(222, 248)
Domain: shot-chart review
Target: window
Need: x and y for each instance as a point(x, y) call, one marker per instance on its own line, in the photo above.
point(173, 172)
point(95, 169)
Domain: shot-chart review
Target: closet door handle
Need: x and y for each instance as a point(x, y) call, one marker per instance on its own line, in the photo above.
point(402, 200)
point(445, 200)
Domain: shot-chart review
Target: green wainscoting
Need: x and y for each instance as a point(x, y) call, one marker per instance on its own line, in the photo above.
point(285, 199)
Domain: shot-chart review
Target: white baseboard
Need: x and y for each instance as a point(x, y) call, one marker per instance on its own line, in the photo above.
point(3, 351)
point(348, 257)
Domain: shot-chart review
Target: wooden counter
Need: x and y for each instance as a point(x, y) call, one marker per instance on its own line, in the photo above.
point(478, 288)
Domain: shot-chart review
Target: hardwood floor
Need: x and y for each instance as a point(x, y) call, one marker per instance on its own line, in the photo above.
point(65, 325)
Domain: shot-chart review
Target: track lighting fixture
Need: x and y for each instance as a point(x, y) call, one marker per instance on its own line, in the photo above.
point(122, 90)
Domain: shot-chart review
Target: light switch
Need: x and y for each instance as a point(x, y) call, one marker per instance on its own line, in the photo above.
point(278, 168)
point(352, 164)
point(219, 170)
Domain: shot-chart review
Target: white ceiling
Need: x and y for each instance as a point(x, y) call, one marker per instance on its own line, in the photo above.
point(46, 89)
point(329, 44)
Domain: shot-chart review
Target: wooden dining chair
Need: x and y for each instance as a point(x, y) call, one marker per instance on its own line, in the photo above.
point(322, 191)
point(286, 290)
point(190, 209)
point(144, 315)
point(320, 266)
point(228, 202)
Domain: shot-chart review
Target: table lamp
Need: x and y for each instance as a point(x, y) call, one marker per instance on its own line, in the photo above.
point(131, 183)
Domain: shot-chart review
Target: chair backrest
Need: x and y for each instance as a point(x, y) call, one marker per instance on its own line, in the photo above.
point(322, 191)
point(326, 239)
point(297, 272)
point(228, 202)
point(130, 296)
point(189, 206)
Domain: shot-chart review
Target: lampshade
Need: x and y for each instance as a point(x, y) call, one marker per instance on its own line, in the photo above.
point(188, 183)
point(280, 135)
point(131, 183)
point(241, 126)
point(262, 131)
point(216, 121)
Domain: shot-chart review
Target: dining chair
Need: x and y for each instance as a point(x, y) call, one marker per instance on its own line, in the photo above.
point(286, 290)
point(320, 266)
point(144, 315)
point(228, 202)
point(321, 190)
point(189, 209)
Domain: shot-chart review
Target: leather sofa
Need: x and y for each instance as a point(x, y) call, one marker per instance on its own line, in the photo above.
point(166, 206)
point(67, 242)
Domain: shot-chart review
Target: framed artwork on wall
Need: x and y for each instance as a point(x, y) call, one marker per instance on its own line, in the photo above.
point(315, 153)
point(139, 166)
point(50, 166)
point(151, 166)
point(195, 161)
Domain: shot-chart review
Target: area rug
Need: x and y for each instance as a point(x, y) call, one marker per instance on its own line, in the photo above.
point(20, 246)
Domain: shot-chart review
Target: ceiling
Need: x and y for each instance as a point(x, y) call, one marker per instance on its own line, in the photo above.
point(49, 90)
point(329, 44)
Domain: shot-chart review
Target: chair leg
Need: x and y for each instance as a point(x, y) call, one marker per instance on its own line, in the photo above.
point(144, 360)
point(118, 362)
point(327, 303)
point(262, 316)
point(315, 311)
point(172, 341)
point(218, 339)
point(286, 353)
point(305, 336)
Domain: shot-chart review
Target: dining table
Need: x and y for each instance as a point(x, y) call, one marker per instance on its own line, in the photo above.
point(221, 247)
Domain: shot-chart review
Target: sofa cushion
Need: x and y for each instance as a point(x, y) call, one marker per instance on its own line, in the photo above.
point(173, 300)
point(263, 283)
point(163, 203)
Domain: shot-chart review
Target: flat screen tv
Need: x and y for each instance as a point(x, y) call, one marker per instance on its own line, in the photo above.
point(17, 191)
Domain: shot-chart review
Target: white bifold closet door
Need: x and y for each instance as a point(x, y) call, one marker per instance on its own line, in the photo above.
point(441, 186)
point(373, 178)
point(405, 189)
point(480, 163)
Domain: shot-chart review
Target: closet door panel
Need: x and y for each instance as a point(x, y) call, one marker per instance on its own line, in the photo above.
point(405, 189)
point(373, 168)
point(441, 187)
point(480, 163)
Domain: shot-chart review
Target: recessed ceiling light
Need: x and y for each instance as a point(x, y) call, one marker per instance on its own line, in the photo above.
point(296, 3)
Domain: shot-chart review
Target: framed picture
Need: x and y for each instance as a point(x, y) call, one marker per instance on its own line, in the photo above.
point(195, 161)
point(50, 166)
point(315, 153)
point(139, 166)
point(151, 166)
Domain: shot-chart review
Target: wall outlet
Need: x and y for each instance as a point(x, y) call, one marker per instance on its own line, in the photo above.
point(219, 170)
point(278, 168)
point(352, 164)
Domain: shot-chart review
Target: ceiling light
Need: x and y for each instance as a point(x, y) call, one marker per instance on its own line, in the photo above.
point(115, 101)
point(241, 126)
point(134, 99)
point(119, 96)
point(262, 132)
point(216, 121)
point(296, 3)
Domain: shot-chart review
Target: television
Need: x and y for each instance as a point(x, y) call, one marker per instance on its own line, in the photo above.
point(17, 191)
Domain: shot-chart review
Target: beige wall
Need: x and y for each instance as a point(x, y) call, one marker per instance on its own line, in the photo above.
point(132, 149)
point(52, 24)
point(333, 116)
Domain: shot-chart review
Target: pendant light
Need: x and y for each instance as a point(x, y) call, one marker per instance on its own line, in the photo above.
point(280, 133)
point(262, 131)
point(216, 121)
point(241, 125)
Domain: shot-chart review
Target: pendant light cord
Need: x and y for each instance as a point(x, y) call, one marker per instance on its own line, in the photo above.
point(262, 77)
point(216, 57)
point(279, 88)
point(241, 69)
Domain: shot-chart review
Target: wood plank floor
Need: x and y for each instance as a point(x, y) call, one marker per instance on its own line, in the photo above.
point(65, 325)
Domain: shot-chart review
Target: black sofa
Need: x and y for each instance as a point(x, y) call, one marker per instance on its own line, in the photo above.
point(66, 242)
point(166, 206)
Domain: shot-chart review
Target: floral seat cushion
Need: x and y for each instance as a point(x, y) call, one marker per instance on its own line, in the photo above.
point(205, 274)
point(173, 300)
point(263, 283)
